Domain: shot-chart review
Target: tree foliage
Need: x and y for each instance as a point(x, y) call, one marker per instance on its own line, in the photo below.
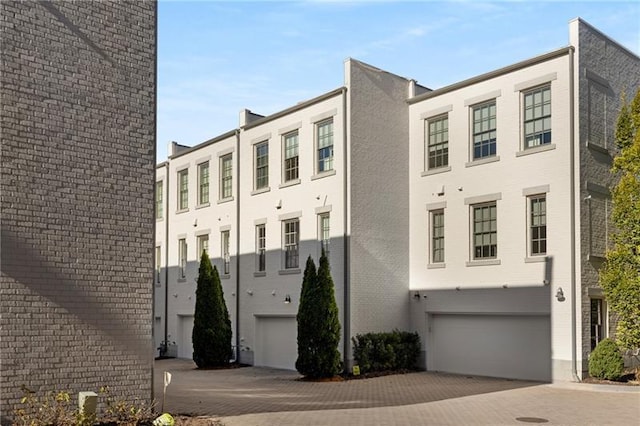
point(211, 324)
point(318, 323)
point(620, 276)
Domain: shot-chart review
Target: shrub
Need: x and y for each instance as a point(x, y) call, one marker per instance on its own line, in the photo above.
point(211, 324)
point(318, 323)
point(606, 361)
point(398, 350)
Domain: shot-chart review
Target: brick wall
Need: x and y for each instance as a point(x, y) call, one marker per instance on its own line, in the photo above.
point(76, 197)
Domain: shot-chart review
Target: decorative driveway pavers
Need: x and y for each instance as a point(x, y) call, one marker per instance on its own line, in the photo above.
point(250, 390)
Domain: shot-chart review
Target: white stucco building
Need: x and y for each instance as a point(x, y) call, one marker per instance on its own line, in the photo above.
point(475, 214)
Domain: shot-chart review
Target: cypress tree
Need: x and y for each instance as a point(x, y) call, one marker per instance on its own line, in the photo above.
point(318, 323)
point(211, 335)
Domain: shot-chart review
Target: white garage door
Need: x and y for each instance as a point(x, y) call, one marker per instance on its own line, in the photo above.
point(276, 342)
point(511, 346)
point(185, 328)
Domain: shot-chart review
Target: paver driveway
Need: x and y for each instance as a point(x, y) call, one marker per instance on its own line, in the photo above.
point(250, 390)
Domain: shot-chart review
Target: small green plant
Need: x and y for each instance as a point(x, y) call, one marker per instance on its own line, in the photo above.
point(53, 408)
point(125, 413)
point(606, 361)
point(398, 350)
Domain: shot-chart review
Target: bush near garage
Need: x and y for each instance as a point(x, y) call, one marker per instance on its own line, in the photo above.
point(606, 361)
point(396, 350)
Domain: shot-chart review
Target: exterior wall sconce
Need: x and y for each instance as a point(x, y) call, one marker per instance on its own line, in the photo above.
point(250, 292)
point(416, 295)
point(287, 299)
point(560, 295)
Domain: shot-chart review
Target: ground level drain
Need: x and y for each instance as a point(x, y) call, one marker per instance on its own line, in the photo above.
point(532, 420)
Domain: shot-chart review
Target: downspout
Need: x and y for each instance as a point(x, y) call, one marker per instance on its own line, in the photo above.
point(237, 333)
point(572, 183)
point(347, 297)
point(166, 256)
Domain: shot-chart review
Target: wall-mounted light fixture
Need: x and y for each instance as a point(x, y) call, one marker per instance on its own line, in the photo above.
point(250, 292)
point(416, 295)
point(560, 295)
point(458, 288)
point(287, 299)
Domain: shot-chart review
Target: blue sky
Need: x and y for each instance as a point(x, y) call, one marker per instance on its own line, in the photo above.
point(216, 58)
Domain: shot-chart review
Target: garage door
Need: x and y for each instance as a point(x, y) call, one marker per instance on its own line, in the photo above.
point(276, 342)
point(511, 346)
point(185, 328)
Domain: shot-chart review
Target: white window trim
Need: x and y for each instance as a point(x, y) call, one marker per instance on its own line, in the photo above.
point(254, 143)
point(179, 171)
point(431, 264)
point(528, 193)
point(221, 158)
point(199, 195)
point(473, 203)
point(316, 125)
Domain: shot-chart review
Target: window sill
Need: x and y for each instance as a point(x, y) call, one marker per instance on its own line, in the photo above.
point(483, 262)
point(289, 271)
point(159, 219)
point(323, 174)
point(535, 259)
point(201, 206)
point(598, 148)
point(182, 211)
point(260, 274)
point(261, 190)
point(435, 171)
point(290, 183)
point(225, 276)
point(225, 200)
point(436, 265)
point(484, 160)
point(536, 149)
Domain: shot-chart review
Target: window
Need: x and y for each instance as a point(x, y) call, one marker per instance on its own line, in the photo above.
point(537, 117)
point(325, 146)
point(183, 189)
point(226, 177)
point(261, 245)
point(485, 231)
point(182, 257)
point(262, 165)
point(484, 130)
point(291, 243)
point(437, 236)
point(203, 245)
point(437, 142)
point(203, 183)
point(226, 257)
point(291, 156)
point(158, 263)
point(159, 194)
point(538, 225)
point(597, 322)
point(324, 233)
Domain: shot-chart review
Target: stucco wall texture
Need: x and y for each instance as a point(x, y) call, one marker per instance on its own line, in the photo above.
point(77, 83)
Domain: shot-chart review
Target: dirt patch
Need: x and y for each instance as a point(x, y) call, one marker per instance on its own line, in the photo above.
point(627, 379)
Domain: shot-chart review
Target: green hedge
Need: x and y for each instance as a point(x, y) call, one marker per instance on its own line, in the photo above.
point(397, 350)
point(605, 362)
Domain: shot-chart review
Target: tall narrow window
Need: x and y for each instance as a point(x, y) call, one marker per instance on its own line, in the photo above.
point(158, 263)
point(183, 189)
point(437, 236)
point(291, 243)
point(262, 165)
point(203, 245)
point(485, 231)
point(159, 201)
point(261, 245)
point(291, 156)
point(226, 256)
point(538, 224)
point(324, 232)
point(325, 146)
point(226, 176)
point(203, 183)
point(182, 257)
point(537, 117)
point(437, 142)
point(484, 130)
point(597, 322)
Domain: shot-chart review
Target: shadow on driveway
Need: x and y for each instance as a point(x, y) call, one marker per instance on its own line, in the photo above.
point(250, 390)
